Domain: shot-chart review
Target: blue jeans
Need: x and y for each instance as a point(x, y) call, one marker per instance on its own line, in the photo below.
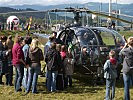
point(128, 81)
point(25, 77)
point(32, 79)
point(51, 80)
point(19, 76)
point(110, 83)
point(68, 80)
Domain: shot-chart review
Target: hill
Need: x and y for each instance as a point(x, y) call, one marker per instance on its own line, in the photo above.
point(41, 16)
point(125, 8)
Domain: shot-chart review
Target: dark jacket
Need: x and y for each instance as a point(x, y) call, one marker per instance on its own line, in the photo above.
point(1, 50)
point(52, 60)
point(127, 53)
point(68, 64)
point(35, 56)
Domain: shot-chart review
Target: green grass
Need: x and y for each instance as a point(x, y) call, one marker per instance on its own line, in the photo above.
point(126, 33)
point(82, 90)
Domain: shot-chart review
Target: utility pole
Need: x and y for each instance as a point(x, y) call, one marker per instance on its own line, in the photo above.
point(110, 7)
point(116, 14)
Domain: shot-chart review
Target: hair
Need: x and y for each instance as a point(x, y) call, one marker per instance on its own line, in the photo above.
point(51, 38)
point(17, 39)
point(3, 38)
point(63, 48)
point(25, 40)
point(130, 41)
point(112, 53)
point(53, 45)
point(10, 37)
point(34, 43)
point(58, 47)
point(54, 32)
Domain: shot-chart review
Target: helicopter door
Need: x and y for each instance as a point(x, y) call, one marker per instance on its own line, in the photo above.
point(93, 48)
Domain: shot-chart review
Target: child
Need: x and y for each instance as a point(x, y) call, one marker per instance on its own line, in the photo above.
point(110, 74)
point(68, 68)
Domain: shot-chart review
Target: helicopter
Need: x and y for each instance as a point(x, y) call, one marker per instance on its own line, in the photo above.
point(97, 41)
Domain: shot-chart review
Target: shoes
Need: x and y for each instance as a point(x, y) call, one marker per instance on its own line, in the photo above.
point(25, 93)
point(35, 92)
point(19, 90)
point(11, 84)
point(1, 83)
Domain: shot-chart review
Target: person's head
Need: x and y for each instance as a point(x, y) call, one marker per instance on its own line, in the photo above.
point(34, 43)
point(69, 50)
point(51, 38)
point(84, 50)
point(58, 47)
point(130, 41)
point(63, 48)
point(54, 34)
point(53, 45)
point(3, 38)
point(25, 41)
point(18, 39)
point(112, 54)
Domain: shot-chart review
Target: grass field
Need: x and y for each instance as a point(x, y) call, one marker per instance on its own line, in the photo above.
point(82, 89)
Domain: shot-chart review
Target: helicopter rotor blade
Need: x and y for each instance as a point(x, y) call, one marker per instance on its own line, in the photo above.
point(103, 14)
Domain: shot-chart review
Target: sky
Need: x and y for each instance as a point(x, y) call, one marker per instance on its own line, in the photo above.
point(55, 2)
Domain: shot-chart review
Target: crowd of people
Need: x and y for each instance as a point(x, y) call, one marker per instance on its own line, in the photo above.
point(25, 55)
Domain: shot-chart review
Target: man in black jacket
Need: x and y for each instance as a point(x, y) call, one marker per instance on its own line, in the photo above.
point(53, 63)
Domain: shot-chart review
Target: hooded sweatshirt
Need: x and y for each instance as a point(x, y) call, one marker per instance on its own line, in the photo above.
point(110, 71)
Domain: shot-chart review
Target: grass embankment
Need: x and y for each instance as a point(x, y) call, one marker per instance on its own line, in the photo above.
point(82, 89)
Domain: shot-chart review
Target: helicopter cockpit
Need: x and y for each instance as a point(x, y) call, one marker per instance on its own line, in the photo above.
point(86, 37)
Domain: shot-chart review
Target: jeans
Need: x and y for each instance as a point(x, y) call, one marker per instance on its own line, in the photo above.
point(68, 80)
point(32, 79)
point(128, 81)
point(19, 76)
point(110, 83)
point(25, 77)
point(51, 80)
point(9, 76)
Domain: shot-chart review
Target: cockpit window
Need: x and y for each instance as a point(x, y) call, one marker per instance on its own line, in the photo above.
point(105, 37)
point(118, 37)
point(85, 37)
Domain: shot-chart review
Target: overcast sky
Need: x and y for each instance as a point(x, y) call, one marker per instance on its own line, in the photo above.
point(55, 2)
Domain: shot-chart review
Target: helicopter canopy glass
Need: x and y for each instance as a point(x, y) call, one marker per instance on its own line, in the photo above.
point(107, 37)
point(119, 39)
point(85, 36)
